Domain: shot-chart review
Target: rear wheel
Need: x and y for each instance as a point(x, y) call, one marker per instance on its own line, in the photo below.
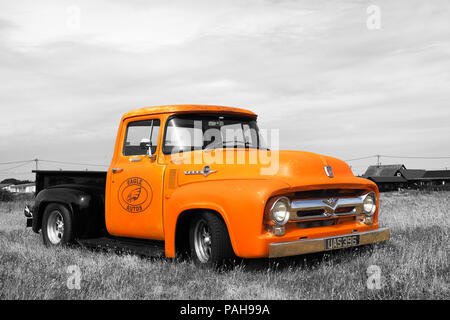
point(57, 225)
point(209, 241)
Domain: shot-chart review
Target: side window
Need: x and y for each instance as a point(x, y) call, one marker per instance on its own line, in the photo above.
point(136, 131)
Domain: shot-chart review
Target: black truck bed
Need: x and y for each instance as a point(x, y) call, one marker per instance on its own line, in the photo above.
point(48, 178)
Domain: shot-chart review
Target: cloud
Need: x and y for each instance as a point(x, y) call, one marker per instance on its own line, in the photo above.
point(310, 68)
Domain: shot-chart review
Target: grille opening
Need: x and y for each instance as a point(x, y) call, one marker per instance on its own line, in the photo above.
point(345, 219)
point(328, 193)
point(344, 210)
point(316, 224)
point(310, 213)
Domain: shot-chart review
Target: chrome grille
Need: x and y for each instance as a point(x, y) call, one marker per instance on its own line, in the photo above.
point(325, 208)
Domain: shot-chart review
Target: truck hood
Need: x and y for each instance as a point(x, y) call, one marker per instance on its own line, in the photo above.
point(295, 168)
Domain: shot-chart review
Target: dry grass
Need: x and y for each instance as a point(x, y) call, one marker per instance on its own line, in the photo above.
point(414, 265)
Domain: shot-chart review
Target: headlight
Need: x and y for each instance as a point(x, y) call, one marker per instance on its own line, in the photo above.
point(279, 212)
point(370, 204)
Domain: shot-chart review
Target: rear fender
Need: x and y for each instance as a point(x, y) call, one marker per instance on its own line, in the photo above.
point(86, 207)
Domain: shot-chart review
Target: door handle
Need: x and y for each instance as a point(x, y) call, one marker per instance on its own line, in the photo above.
point(117, 170)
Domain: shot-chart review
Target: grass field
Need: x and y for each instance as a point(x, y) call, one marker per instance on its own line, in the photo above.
point(414, 265)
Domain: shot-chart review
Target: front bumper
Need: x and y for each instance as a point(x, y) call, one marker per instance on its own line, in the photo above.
point(293, 248)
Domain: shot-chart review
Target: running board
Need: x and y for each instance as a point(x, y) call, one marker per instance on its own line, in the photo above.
point(150, 248)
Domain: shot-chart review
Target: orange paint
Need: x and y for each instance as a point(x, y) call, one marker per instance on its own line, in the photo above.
point(146, 199)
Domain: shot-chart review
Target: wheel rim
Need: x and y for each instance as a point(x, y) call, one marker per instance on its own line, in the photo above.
point(202, 241)
point(55, 227)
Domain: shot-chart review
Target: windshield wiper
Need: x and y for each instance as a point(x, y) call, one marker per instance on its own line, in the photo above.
point(234, 144)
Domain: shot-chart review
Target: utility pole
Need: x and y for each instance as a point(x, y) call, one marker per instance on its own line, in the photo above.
point(37, 163)
point(378, 161)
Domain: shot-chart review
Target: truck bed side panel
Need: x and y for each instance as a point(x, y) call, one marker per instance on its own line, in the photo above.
point(47, 179)
point(84, 194)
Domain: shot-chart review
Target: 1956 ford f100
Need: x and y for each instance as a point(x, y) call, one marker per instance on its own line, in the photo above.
point(199, 180)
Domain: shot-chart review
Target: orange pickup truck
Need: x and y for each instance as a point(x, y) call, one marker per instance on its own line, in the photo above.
point(199, 180)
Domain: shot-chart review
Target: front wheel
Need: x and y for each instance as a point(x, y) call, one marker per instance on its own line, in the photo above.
point(57, 225)
point(209, 241)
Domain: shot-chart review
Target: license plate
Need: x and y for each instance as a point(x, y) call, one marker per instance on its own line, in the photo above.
point(341, 242)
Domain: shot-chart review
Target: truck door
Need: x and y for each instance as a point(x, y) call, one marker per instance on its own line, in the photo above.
point(136, 184)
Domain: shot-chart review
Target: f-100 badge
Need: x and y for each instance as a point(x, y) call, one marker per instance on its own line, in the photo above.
point(135, 195)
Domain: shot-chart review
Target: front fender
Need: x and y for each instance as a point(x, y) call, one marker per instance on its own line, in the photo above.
point(241, 204)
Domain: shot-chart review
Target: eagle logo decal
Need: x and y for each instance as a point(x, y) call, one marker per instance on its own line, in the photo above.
point(135, 195)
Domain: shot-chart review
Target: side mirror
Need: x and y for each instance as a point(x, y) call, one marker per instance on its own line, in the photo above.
point(147, 145)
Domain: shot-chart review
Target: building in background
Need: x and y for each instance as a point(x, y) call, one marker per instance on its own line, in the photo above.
point(20, 188)
point(437, 178)
point(3, 186)
point(397, 176)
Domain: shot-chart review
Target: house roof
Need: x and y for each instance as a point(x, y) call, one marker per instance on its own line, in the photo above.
point(187, 109)
point(383, 170)
point(437, 174)
point(23, 185)
point(412, 174)
point(387, 179)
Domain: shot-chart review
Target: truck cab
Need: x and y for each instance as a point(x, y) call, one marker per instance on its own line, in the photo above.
point(200, 180)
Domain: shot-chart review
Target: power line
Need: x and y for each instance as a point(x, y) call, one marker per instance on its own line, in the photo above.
point(73, 163)
point(10, 174)
point(15, 162)
point(410, 157)
point(20, 164)
point(362, 158)
point(25, 162)
point(379, 156)
point(53, 161)
point(11, 168)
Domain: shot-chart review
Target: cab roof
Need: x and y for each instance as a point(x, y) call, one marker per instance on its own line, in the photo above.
point(188, 108)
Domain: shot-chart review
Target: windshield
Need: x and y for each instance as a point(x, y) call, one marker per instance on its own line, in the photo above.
point(202, 132)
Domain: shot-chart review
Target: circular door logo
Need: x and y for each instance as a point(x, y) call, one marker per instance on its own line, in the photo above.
point(135, 195)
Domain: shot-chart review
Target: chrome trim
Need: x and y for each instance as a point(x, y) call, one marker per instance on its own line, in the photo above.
point(329, 207)
point(206, 171)
point(329, 171)
point(374, 196)
point(27, 212)
point(292, 248)
point(286, 219)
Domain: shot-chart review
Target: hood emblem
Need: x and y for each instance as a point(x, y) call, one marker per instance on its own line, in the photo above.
point(206, 171)
point(331, 202)
point(329, 171)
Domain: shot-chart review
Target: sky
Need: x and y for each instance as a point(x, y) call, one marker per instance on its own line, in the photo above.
point(341, 78)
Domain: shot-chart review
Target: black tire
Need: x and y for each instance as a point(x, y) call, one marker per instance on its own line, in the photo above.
point(50, 233)
point(220, 251)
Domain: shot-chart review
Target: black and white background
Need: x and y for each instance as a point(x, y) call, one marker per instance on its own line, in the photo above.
point(346, 78)
point(363, 81)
